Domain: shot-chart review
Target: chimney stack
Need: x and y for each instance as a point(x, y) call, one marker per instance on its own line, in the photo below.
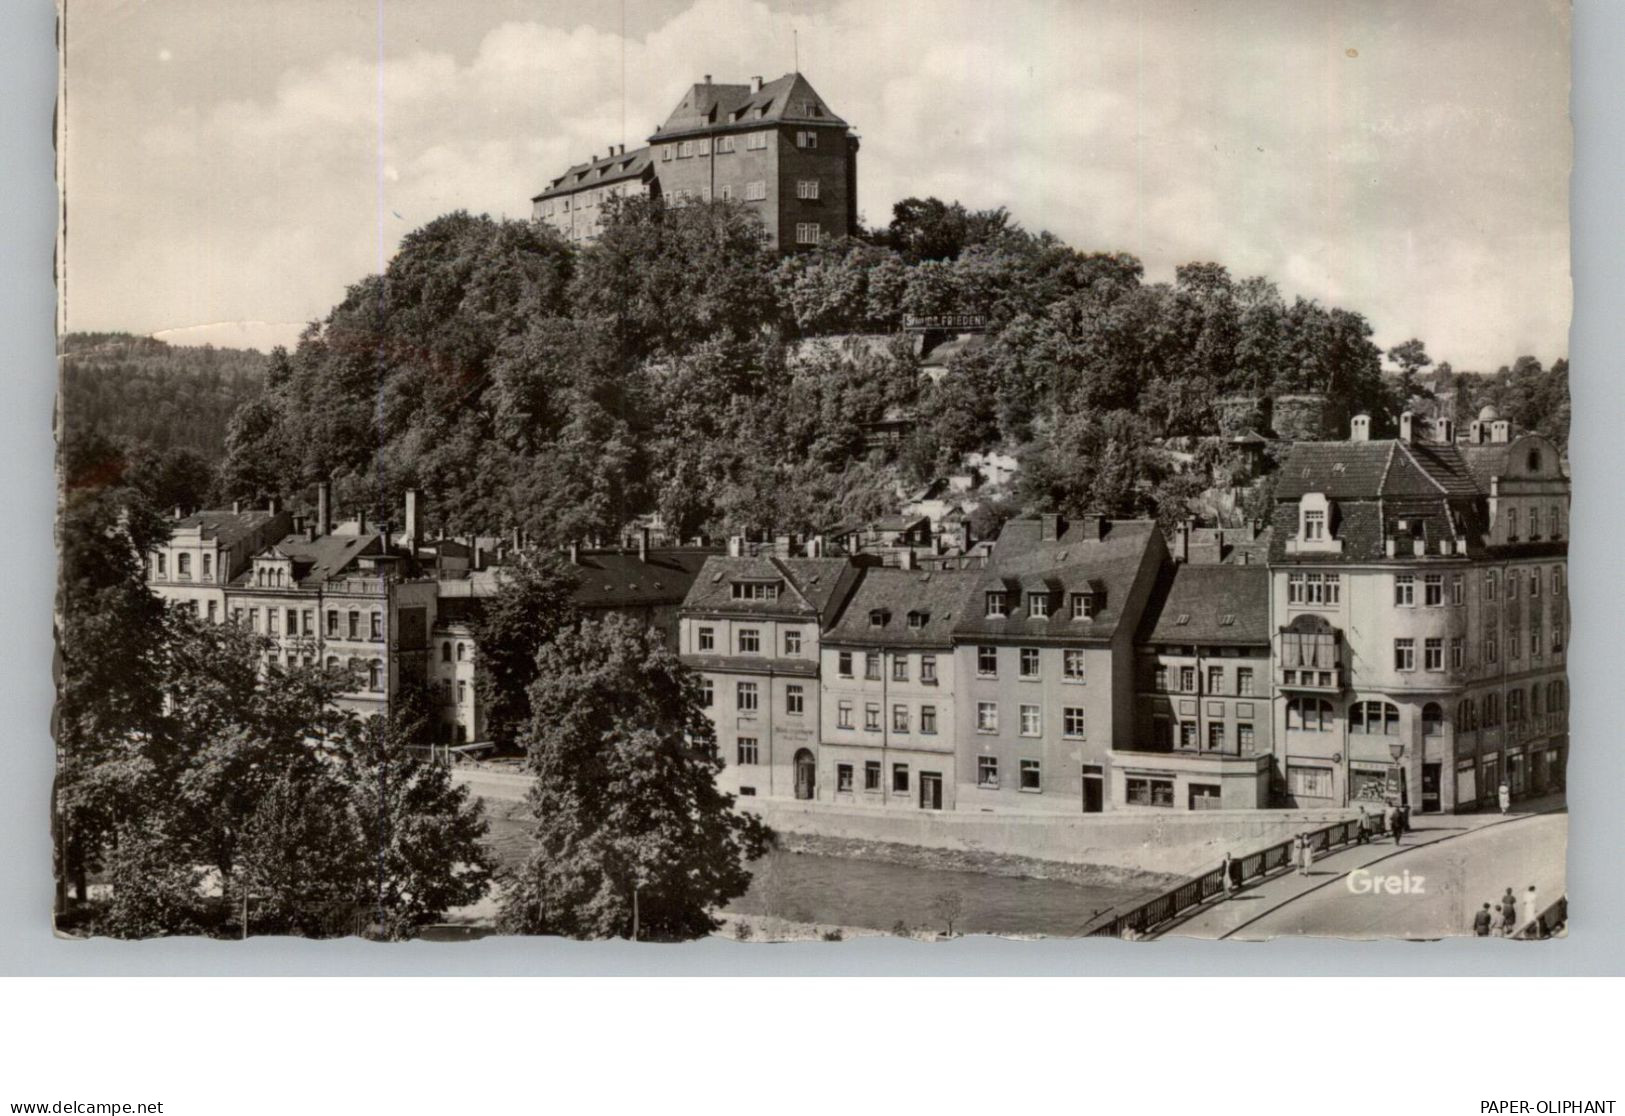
point(324, 508)
point(643, 544)
point(1360, 428)
point(1444, 431)
point(1049, 527)
point(361, 521)
point(1500, 431)
point(905, 560)
point(236, 507)
point(756, 83)
point(736, 546)
point(1182, 541)
point(1407, 424)
point(273, 505)
point(179, 514)
point(414, 519)
point(708, 79)
point(1094, 525)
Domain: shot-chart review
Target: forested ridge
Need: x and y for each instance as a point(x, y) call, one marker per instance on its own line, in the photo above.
point(679, 365)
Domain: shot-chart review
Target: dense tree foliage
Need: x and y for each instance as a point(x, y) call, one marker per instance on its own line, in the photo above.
point(533, 605)
point(1528, 394)
point(633, 838)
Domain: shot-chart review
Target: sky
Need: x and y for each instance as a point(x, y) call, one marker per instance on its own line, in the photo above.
point(230, 168)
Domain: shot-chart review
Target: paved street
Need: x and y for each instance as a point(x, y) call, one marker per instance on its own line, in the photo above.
point(1453, 865)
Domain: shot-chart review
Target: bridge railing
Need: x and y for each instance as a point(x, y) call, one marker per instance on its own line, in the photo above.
point(1550, 921)
point(1146, 915)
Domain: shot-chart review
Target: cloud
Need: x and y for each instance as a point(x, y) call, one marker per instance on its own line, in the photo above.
point(1420, 181)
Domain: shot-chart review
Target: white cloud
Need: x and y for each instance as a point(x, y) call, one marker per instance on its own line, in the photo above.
point(1418, 182)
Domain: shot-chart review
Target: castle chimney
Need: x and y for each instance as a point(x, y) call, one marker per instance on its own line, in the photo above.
point(643, 544)
point(414, 519)
point(324, 508)
point(1407, 424)
point(756, 83)
point(1360, 428)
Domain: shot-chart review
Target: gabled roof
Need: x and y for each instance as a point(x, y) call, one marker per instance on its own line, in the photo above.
point(937, 597)
point(316, 560)
point(599, 172)
point(810, 585)
point(227, 527)
point(1366, 470)
point(1209, 604)
point(708, 106)
point(1076, 562)
point(622, 579)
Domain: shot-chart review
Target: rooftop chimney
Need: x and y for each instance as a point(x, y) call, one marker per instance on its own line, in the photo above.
point(271, 505)
point(479, 555)
point(905, 560)
point(1094, 525)
point(1444, 431)
point(236, 507)
point(179, 514)
point(756, 84)
point(1500, 431)
point(324, 508)
point(643, 534)
point(736, 546)
point(1407, 425)
point(708, 79)
point(1049, 528)
point(361, 521)
point(1360, 428)
point(575, 553)
point(414, 519)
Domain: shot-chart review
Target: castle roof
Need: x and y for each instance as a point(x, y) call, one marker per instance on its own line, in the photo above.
point(709, 106)
point(599, 172)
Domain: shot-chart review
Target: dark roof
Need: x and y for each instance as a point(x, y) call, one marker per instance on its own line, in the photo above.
point(1209, 604)
point(1076, 562)
point(1229, 546)
point(598, 172)
point(227, 527)
point(711, 106)
point(317, 560)
point(1354, 470)
point(614, 579)
point(938, 596)
point(810, 585)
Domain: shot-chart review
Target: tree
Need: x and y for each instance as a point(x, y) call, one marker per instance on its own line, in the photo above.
point(633, 837)
point(533, 605)
point(948, 906)
point(1412, 358)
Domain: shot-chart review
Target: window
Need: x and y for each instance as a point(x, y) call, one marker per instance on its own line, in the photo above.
point(253, 619)
point(211, 611)
point(916, 620)
point(1072, 723)
point(843, 715)
point(685, 149)
point(807, 189)
point(792, 643)
point(899, 778)
point(899, 668)
point(745, 697)
point(708, 639)
point(1404, 590)
point(1433, 654)
point(375, 675)
point(928, 668)
point(987, 716)
point(1244, 737)
point(1141, 791)
point(1159, 678)
point(1432, 719)
point(273, 622)
point(726, 193)
point(749, 751)
point(756, 191)
point(1492, 642)
point(665, 157)
point(1314, 526)
point(750, 641)
point(183, 565)
point(1512, 585)
point(808, 232)
point(1187, 679)
point(794, 700)
point(1458, 595)
point(462, 650)
point(1512, 525)
point(987, 662)
point(995, 604)
point(1031, 776)
point(1404, 654)
point(807, 139)
point(725, 145)
point(928, 719)
point(1514, 643)
point(1309, 714)
point(1029, 662)
point(843, 777)
point(1374, 718)
point(1492, 710)
point(843, 664)
point(1433, 590)
point(1557, 638)
point(1215, 680)
point(1031, 721)
point(377, 625)
point(1466, 715)
point(332, 623)
point(293, 622)
point(1083, 606)
point(871, 666)
point(707, 693)
point(237, 616)
point(1458, 653)
point(1072, 664)
point(1244, 681)
point(1038, 606)
point(987, 771)
point(1308, 782)
point(1515, 707)
point(354, 619)
point(1215, 736)
point(899, 718)
point(1187, 735)
point(462, 692)
point(871, 775)
point(208, 567)
point(871, 717)
point(1537, 646)
point(1534, 582)
point(756, 141)
point(1557, 582)
point(1490, 581)
point(1534, 524)
point(755, 591)
point(1556, 521)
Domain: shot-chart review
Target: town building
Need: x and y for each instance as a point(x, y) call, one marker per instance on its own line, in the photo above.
point(1044, 662)
point(887, 716)
point(1419, 616)
point(777, 148)
point(751, 626)
point(206, 550)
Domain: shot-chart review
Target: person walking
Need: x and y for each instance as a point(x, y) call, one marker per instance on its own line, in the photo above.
point(1482, 922)
point(1225, 870)
point(1505, 796)
point(1391, 815)
point(1509, 914)
point(1365, 825)
point(1308, 852)
point(1531, 909)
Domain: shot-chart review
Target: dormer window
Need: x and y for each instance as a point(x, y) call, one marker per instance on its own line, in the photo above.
point(878, 617)
point(1534, 461)
point(755, 590)
point(1314, 525)
point(916, 620)
point(1038, 606)
point(997, 608)
point(1512, 525)
point(1083, 606)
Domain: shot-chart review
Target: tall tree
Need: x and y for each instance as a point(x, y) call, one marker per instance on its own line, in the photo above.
point(633, 837)
point(533, 605)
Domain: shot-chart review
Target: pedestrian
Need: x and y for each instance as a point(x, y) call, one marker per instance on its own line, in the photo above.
point(1365, 825)
point(1531, 909)
point(1509, 914)
point(1308, 852)
point(1224, 870)
point(1394, 822)
point(1482, 922)
point(1505, 795)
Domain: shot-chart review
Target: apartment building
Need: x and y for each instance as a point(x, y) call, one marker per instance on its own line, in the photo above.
point(775, 147)
point(1044, 662)
point(1419, 616)
point(888, 722)
point(206, 550)
point(751, 626)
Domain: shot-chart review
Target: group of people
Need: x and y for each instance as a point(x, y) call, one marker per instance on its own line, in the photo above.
point(1396, 819)
point(1502, 919)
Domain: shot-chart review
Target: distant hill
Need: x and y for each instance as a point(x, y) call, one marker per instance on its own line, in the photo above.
point(138, 389)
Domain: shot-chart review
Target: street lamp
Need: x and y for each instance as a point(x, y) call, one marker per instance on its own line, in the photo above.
point(1397, 750)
